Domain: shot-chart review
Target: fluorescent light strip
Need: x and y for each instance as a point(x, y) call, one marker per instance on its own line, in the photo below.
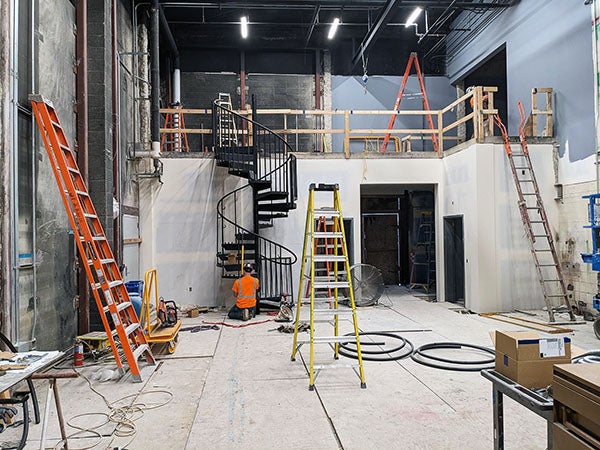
point(334, 26)
point(244, 24)
point(413, 17)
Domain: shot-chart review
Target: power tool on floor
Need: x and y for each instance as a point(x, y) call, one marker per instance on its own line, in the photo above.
point(167, 313)
point(285, 308)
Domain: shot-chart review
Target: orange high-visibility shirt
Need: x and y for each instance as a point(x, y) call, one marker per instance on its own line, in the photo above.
point(245, 291)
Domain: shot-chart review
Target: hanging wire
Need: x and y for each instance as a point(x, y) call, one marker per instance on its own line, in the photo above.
point(365, 77)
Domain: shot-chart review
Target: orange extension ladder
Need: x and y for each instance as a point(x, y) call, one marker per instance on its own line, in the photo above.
point(411, 60)
point(102, 270)
point(178, 141)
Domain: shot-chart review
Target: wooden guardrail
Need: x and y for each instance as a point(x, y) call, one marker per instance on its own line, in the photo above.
point(480, 101)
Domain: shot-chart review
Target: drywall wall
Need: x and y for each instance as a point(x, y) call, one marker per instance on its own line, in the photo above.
point(178, 229)
point(379, 93)
point(560, 57)
point(179, 218)
point(499, 271)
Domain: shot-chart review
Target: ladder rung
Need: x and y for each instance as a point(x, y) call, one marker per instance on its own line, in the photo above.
point(90, 216)
point(551, 280)
point(328, 258)
point(522, 167)
point(102, 261)
point(556, 295)
point(324, 278)
point(139, 350)
point(72, 169)
point(120, 306)
point(327, 234)
point(111, 284)
point(525, 181)
point(548, 265)
point(306, 300)
point(329, 339)
point(333, 311)
point(540, 235)
point(94, 238)
point(325, 212)
point(331, 284)
point(55, 124)
point(335, 366)
point(131, 328)
point(81, 193)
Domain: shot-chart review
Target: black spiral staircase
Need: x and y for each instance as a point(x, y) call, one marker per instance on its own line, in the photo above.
point(253, 152)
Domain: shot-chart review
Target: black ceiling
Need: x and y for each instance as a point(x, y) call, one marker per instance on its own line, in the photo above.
point(278, 26)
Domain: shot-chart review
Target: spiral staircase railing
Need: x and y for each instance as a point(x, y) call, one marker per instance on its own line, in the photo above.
point(254, 152)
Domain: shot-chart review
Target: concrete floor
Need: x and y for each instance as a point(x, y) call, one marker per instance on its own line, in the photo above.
point(237, 388)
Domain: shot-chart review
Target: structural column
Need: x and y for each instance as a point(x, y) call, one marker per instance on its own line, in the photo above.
point(100, 118)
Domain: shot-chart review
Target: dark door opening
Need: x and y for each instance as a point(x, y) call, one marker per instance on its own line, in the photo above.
point(492, 72)
point(390, 219)
point(380, 244)
point(454, 260)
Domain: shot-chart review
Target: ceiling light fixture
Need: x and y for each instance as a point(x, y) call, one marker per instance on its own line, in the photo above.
point(334, 26)
point(244, 24)
point(413, 17)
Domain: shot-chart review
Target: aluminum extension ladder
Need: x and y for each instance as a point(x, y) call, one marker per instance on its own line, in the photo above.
point(101, 269)
point(325, 289)
point(228, 136)
point(535, 220)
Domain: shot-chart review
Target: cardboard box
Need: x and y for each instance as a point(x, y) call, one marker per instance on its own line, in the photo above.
point(193, 312)
point(527, 358)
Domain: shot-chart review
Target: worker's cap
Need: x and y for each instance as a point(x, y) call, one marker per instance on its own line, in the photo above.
point(248, 267)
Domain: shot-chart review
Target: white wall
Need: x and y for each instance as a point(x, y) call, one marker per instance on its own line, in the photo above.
point(178, 229)
point(499, 271)
point(178, 219)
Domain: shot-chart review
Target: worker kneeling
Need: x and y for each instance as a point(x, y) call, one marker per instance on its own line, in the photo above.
point(244, 290)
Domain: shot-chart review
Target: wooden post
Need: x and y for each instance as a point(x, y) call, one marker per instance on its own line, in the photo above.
point(534, 123)
point(489, 117)
point(479, 134)
point(440, 127)
point(549, 124)
point(347, 133)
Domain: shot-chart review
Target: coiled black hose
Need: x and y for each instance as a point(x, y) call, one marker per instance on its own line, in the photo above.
point(421, 357)
point(592, 356)
point(350, 352)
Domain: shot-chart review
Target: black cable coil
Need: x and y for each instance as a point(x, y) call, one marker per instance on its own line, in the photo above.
point(350, 352)
point(421, 357)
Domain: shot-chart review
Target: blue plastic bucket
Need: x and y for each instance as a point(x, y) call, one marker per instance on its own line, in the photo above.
point(135, 287)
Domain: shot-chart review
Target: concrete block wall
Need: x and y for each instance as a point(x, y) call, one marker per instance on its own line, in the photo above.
point(573, 239)
point(54, 246)
point(199, 90)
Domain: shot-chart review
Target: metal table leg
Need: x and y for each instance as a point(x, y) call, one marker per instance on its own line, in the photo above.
point(498, 406)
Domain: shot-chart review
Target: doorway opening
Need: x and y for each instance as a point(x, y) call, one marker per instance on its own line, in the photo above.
point(454, 260)
point(398, 233)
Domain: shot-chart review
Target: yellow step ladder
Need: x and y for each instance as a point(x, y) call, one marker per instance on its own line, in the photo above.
point(326, 290)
